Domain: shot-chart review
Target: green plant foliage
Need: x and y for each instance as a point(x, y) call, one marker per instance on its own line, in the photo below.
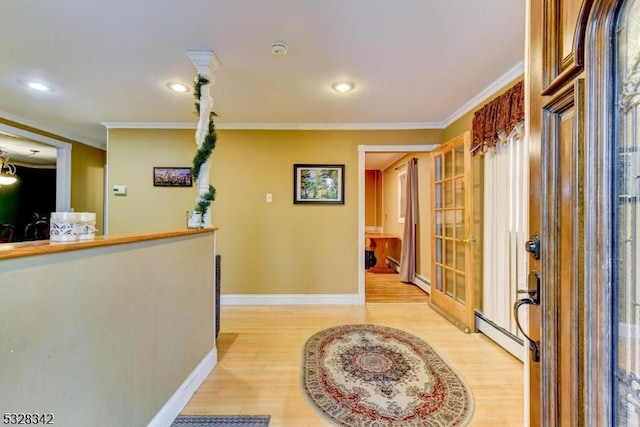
point(205, 201)
point(204, 150)
point(199, 81)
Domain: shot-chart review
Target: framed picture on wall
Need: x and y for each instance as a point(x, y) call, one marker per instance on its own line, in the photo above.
point(164, 176)
point(318, 184)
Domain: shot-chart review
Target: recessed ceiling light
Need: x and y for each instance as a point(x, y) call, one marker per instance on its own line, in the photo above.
point(38, 86)
point(343, 87)
point(178, 87)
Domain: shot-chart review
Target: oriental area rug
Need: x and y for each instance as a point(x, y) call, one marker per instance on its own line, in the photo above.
point(374, 376)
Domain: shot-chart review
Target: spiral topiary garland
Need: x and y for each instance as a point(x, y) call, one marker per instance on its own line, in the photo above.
point(204, 150)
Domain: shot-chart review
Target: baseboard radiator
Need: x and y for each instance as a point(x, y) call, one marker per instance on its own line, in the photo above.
point(504, 338)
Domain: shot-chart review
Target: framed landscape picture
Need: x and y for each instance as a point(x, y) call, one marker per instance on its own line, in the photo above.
point(172, 177)
point(318, 184)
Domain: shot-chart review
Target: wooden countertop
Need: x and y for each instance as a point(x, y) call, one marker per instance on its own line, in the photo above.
point(42, 247)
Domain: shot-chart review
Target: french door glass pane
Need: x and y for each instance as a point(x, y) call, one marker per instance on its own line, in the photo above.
point(448, 194)
point(459, 192)
point(448, 253)
point(439, 278)
point(459, 220)
point(460, 295)
point(438, 195)
point(438, 167)
point(459, 160)
point(448, 282)
point(439, 223)
point(460, 257)
point(448, 164)
point(449, 223)
point(439, 251)
point(626, 200)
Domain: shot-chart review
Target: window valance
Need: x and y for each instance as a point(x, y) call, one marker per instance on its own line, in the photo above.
point(496, 120)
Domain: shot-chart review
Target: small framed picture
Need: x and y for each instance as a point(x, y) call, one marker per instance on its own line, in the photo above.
point(172, 177)
point(318, 184)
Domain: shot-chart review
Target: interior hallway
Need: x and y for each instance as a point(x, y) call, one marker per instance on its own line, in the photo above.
point(259, 352)
point(388, 288)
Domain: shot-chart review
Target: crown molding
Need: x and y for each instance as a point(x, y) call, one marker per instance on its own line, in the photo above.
point(516, 71)
point(40, 127)
point(149, 125)
point(277, 126)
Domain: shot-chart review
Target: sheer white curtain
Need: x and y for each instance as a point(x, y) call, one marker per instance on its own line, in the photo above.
point(506, 207)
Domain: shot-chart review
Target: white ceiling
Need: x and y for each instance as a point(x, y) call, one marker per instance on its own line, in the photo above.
point(25, 152)
point(381, 160)
point(416, 63)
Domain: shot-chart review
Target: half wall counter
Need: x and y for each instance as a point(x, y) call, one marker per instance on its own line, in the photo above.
point(112, 331)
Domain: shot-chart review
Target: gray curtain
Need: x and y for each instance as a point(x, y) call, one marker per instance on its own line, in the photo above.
point(408, 256)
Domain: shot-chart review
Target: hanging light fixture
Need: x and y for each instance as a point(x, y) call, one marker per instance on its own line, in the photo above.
point(7, 170)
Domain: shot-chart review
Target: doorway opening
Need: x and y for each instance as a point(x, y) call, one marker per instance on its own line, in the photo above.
point(43, 168)
point(392, 222)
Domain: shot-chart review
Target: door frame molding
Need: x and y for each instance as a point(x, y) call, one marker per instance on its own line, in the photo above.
point(63, 163)
point(362, 150)
point(599, 136)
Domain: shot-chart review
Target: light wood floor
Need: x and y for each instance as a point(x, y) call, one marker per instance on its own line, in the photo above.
point(259, 351)
point(389, 288)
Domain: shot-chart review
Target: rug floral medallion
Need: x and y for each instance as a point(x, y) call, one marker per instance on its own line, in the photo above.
point(375, 376)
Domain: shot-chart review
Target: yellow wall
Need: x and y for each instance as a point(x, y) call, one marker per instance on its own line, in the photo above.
point(131, 157)
point(266, 248)
point(373, 198)
point(87, 181)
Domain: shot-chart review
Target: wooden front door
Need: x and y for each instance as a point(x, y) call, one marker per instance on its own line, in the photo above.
point(555, 120)
point(452, 293)
point(584, 192)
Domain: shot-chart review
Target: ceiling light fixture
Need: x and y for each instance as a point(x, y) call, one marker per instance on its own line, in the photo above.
point(7, 170)
point(41, 87)
point(343, 87)
point(178, 87)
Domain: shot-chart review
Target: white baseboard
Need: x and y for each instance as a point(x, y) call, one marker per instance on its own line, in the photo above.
point(418, 280)
point(422, 283)
point(393, 263)
point(372, 229)
point(502, 337)
point(292, 299)
point(181, 397)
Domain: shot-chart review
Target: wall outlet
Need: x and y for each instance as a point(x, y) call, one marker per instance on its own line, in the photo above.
point(269, 197)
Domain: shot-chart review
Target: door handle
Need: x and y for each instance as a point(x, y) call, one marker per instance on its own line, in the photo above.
point(533, 299)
